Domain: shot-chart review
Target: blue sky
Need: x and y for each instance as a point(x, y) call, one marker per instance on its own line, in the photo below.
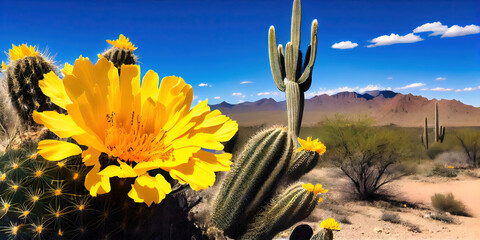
point(220, 46)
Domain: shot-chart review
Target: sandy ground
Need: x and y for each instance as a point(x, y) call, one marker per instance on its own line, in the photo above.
point(365, 217)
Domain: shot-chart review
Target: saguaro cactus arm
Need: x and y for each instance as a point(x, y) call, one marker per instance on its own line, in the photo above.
point(311, 55)
point(278, 71)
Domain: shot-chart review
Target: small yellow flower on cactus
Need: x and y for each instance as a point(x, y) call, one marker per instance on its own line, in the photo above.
point(137, 128)
point(123, 43)
point(21, 51)
point(330, 224)
point(316, 189)
point(313, 146)
point(4, 66)
point(451, 167)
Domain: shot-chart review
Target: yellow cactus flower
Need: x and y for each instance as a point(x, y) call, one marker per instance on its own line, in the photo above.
point(4, 66)
point(21, 51)
point(315, 189)
point(139, 127)
point(122, 42)
point(67, 69)
point(309, 145)
point(330, 224)
point(451, 167)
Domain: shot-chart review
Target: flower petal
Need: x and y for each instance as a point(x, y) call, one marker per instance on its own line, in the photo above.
point(54, 150)
point(96, 183)
point(60, 124)
point(53, 87)
point(150, 189)
point(122, 171)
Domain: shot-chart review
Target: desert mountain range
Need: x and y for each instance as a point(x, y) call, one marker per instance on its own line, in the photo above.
point(385, 107)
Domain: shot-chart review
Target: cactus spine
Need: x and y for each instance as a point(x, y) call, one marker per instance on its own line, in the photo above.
point(439, 130)
point(287, 69)
point(425, 134)
point(293, 205)
point(252, 180)
point(23, 74)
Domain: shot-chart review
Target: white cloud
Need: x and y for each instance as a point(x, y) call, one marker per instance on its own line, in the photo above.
point(457, 31)
point(440, 78)
point(437, 28)
point(204, 85)
point(263, 93)
point(241, 101)
point(413, 85)
point(394, 39)
point(246, 82)
point(236, 94)
point(468, 89)
point(195, 97)
point(344, 45)
point(439, 89)
point(273, 93)
point(389, 78)
point(370, 88)
point(216, 97)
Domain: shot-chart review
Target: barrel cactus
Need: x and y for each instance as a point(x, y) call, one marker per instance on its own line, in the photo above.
point(121, 52)
point(326, 233)
point(26, 68)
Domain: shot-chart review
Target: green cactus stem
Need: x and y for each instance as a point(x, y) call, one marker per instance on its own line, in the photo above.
point(439, 130)
point(324, 234)
point(23, 76)
point(303, 163)
point(293, 205)
point(424, 137)
point(252, 181)
point(287, 71)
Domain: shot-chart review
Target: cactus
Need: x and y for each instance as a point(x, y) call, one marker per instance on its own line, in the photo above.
point(252, 180)
point(25, 70)
point(121, 52)
point(439, 130)
point(306, 158)
point(424, 136)
point(290, 207)
point(287, 71)
point(328, 225)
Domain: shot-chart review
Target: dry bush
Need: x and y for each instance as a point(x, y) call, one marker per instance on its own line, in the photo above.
point(457, 159)
point(368, 156)
point(448, 203)
point(441, 171)
point(391, 217)
point(443, 217)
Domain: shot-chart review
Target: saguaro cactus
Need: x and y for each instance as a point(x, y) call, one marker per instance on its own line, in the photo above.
point(425, 134)
point(439, 130)
point(288, 73)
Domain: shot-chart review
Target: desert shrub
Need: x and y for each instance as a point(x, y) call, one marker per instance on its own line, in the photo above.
point(457, 159)
point(442, 171)
point(436, 149)
point(448, 203)
point(343, 219)
point(412, 227)
point(443, 217)
point(368, 156)
point(391, 217)
point(469, 140)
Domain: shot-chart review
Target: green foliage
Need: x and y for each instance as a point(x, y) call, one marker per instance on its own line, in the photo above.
point(252, 180)
point(448, 203)
point(23, 76)
point(369, 156)
point(291, 206)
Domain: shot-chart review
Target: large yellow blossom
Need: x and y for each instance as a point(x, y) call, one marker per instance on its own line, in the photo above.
point(140, 127)
point(330, 224)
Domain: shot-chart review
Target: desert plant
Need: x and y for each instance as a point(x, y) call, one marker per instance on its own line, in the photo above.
point(121, 52)
point(439, 130)
point(443, 217)
point(26, 68)
point(288, 73)
point(448, 203)
point(368, 156)
point(424, 136)
point(443, 171)
point(470, 143)
point(326, 233)
point(390, 217)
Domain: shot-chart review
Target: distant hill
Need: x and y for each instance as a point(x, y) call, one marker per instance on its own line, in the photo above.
point(386, 107)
